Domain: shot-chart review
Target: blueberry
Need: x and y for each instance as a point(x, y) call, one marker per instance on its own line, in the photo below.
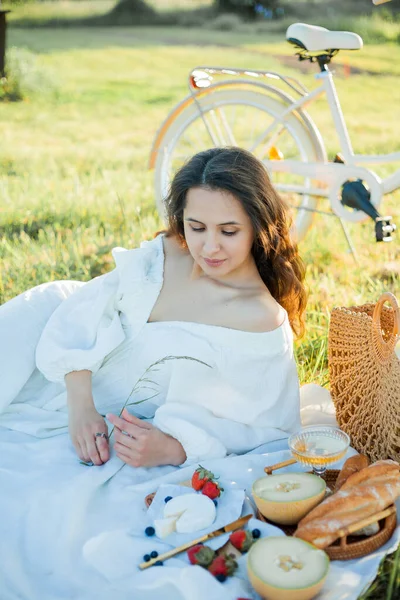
point(154, 554)
point(149, 531)
point(221, 577)
point(167, 499)
point(256, 533)
point(215, 502)
point(159, 563)
point(146, 557)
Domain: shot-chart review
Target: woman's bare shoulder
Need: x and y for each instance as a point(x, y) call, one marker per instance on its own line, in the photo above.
point(261, 313)
point(173, 247)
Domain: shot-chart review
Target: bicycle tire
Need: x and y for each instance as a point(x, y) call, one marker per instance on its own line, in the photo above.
point(189, 114)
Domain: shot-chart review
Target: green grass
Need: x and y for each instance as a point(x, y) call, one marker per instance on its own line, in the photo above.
point(73, 167)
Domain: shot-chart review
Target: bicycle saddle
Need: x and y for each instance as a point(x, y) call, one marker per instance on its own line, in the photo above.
point(316, 39)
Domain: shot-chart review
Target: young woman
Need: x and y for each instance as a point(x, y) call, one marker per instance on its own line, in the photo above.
point(223, 285)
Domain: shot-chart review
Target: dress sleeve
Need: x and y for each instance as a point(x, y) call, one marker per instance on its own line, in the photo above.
point(87, 326)
point(246, 399)
point(82, 330)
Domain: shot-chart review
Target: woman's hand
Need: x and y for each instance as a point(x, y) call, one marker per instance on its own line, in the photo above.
point(88, 429)
point(142, 444)
point(84, 425)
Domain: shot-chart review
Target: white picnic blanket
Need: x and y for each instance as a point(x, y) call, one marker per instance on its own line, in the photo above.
point(73, 532)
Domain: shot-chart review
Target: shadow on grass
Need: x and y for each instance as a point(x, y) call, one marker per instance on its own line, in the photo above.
point(122, 18)
point(32, 225)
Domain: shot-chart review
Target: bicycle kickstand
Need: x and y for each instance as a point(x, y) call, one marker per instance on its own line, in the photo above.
point(349, 241)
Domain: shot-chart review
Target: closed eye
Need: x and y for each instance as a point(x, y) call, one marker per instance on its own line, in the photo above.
point(200, 229)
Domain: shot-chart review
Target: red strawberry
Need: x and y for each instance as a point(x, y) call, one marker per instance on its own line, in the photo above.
point(218, 566)
point(200, 477)
point(223, 565)
point(212, 489)
point(201, 555)
point(241, 539)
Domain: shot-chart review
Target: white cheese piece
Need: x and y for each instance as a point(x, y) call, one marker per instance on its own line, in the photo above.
point(192, 511)
point(165, 527)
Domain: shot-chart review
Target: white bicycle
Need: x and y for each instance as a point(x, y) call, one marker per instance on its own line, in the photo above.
point(236, 107)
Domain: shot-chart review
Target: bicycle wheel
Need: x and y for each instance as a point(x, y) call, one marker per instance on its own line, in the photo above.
point(239, 117)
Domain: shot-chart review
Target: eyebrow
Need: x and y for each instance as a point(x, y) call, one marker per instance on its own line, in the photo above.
point(219, 224)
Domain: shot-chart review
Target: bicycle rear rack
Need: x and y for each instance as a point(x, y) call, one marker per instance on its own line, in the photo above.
point(203, 76)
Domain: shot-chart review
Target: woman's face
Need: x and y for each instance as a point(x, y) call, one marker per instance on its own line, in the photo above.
point(218, 231)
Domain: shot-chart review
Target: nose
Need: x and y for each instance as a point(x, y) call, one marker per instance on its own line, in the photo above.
point(211, 245)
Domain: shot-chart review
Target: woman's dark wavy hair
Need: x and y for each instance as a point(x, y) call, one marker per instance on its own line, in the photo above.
point(240, 173)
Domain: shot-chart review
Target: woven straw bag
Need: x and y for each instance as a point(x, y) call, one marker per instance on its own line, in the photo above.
point(365, 376)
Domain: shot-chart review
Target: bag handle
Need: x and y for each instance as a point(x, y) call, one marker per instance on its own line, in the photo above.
point(385, 349)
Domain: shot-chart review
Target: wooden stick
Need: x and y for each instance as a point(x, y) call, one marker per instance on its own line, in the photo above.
point(280, 465)
point(373, 519)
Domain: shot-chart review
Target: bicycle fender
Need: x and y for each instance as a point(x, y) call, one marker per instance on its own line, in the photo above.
point(269, 89)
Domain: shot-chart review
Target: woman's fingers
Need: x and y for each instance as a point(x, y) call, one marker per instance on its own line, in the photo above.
point(138, 422)
point(121, 451)
point(91, 449)
point(123, 439)
point(102, 447)
point(89, 434)
point(129, 457)
point(133, 426)
point(80, 450)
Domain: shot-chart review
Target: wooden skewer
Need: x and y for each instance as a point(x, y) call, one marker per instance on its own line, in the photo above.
point(373, 519)
point(280, 465)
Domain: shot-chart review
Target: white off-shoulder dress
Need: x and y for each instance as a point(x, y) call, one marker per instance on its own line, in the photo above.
point(73, 532)
point(240, 392)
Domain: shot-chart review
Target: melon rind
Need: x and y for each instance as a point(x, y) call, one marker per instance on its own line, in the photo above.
point(287, 511)
point(272, 592)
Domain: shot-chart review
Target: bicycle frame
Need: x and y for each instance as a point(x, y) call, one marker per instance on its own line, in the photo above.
point(328, 87)
point(321, 178)
point(306, 97)
point(323, 172)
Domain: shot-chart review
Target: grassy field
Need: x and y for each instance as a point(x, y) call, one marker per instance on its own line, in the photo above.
point(74, 181)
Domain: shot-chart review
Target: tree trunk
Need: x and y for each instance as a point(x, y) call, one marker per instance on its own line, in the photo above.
point(134, 8)
point(245, 8)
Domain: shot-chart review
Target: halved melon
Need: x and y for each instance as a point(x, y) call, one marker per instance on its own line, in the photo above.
point(288, 497)
point(280, 568)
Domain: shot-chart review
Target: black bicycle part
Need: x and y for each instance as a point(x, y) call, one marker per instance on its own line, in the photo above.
point(357, 196)
point(323, 58)
point(384, 229)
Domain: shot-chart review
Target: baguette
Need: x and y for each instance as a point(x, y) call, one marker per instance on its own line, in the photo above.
point(353, 498)
point(322, 527)
point(351, 466)
point(323, 532)
point(381, 467)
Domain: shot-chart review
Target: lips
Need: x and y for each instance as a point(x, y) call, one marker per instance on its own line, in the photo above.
point(213, 263)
